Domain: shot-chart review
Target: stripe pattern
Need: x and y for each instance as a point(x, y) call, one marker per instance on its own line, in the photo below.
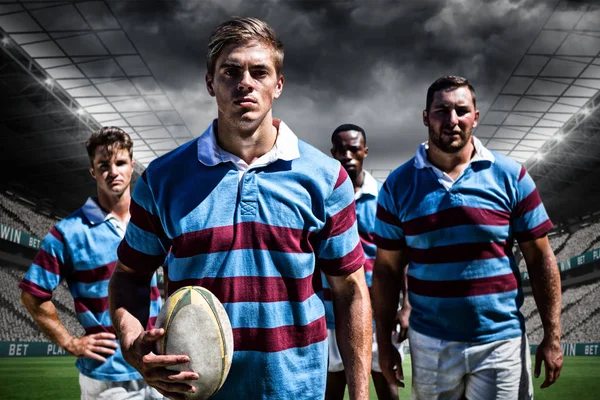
point(255, 244)
point(366, 210)
point(85, 254)
point(459, 245)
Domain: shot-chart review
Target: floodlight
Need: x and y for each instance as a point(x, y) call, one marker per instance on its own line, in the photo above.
point(48, 81)
point(558, 137)
point(5, 41)
point(539, 156)
point(80, 111)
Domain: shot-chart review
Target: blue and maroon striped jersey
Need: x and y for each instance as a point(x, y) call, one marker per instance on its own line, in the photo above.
point(82, 248)
point(366, 209)
point(463, 282)
point(254, 242)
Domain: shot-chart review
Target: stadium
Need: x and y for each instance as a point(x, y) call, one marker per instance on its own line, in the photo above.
point(60, 84)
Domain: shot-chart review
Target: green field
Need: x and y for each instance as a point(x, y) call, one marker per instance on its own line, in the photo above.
point(56, 378)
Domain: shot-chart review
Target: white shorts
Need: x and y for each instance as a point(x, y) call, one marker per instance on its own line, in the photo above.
point(94, 389)
point(335, 359)
point(445, 370)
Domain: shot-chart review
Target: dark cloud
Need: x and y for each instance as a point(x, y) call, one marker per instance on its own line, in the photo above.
point(366, 62)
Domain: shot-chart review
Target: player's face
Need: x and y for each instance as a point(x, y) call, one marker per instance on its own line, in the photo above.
point(245, 83)
point(112, 173)
point(350, 150)
point(451, 119)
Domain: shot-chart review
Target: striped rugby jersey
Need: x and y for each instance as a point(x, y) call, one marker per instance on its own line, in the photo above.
point(366, 208)
point(463, 282)
point(255, 243)
point(82, 248)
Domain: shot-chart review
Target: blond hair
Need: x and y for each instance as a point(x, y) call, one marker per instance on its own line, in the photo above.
point(240, 31)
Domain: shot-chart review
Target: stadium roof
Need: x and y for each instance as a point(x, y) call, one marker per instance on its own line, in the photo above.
point(86, 53)
point(546, 115)
point(68, 69)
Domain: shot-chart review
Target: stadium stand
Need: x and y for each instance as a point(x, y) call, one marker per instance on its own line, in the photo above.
point(16, 322)
point(17, 215)
point(580, 241)
point(567, 245)
point(579, 320)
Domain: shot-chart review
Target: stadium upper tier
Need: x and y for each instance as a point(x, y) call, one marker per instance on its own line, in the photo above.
point(19, 216)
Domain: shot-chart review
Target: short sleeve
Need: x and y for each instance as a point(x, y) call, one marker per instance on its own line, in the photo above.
point(145, 245)
point(529, 219)
point(48, 267)
point(340, 252)
point(389, 234)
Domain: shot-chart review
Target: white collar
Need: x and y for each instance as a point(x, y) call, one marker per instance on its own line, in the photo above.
point(369, 187)
point(285, 148)
point(481, 154)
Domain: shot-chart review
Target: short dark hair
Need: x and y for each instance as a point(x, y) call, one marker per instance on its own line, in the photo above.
point(112, 139)
point(446, 83)
point(349, 127)
point(239, 31)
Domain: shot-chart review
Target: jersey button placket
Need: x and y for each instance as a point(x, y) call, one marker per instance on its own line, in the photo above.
point(249, 196)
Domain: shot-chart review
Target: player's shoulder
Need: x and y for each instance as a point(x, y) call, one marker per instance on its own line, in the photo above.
point(317, 164)
point(70, 225)
point(506, 166)
point(174, 161)
point(401, 175)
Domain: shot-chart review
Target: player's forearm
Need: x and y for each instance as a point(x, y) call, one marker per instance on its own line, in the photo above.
point(354, 336)
point(545, 285)
point(129, 303)
point(385, 294)
point(45, 316)
point(405, 303)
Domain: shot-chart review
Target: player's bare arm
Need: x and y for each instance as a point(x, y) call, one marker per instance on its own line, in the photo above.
point(129, 302)
point(45, 316)
point(352, 308)
point(404, 313)
point(545, 284)
point(389, 279)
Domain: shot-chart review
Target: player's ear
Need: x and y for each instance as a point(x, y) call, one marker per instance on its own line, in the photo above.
point(209, 84)
point(425, 118)
point(92, 173)
point(366, 152)
point(279, 87)
point(476, 121)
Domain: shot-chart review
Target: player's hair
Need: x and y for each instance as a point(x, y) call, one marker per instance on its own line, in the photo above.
point(349, 127)
point(241, 30)
point(447, 83)
point(112, 139)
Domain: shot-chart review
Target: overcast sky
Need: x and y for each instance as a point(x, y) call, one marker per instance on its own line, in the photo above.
point(364, 62)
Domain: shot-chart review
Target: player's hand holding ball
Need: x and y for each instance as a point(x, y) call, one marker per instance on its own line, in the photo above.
point(154, 368)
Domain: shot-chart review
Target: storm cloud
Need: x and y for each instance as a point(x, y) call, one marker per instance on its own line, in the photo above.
point(364, 62)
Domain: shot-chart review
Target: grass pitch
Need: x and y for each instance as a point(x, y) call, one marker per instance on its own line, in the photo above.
point(57, 378)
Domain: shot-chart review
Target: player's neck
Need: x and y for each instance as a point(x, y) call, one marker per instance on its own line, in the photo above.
point(248, 143)
point(358, 179)
point(451, 163)
point(117, 205)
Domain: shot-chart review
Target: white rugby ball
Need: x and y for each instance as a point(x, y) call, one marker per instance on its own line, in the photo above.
point(197, 325)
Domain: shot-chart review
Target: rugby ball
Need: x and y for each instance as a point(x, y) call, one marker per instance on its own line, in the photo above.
point(197, 325)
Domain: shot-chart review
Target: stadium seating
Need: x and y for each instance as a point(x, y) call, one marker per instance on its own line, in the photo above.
point(12, 310)
point(579, 320)
point(19, 216)
point(582, 240)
